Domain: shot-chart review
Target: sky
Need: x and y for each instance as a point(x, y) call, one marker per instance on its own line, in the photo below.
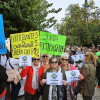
point(64, 4)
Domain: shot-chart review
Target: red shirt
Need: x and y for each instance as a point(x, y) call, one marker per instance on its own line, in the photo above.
point(29, 72)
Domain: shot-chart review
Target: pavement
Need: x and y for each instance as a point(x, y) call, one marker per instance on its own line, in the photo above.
point(95, 97)
point(79, 97)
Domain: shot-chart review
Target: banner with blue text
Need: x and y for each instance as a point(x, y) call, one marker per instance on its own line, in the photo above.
point(2, 37)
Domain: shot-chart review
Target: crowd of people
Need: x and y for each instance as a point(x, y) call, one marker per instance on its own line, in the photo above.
point(30, 81)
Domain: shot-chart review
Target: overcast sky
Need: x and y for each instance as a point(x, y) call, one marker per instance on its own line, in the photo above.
point(64, 4)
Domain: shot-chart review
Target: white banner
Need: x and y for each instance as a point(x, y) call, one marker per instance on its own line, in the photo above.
point(54, 78)
point(25, 60)
point(72, 76)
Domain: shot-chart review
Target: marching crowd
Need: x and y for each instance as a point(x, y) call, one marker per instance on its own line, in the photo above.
point(30, 81)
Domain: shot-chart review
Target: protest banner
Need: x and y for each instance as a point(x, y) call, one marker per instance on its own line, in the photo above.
point(72, 76)
point(26, 43)
point(52, 43)
point(25, 60)
point(54, 78)
point(76, 59)
point(2, 37)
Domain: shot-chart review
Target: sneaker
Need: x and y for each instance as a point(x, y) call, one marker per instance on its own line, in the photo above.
point(98, 86)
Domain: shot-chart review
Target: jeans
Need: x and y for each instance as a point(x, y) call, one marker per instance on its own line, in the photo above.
point(15, 90)
point(87, 97)
point(31, 97)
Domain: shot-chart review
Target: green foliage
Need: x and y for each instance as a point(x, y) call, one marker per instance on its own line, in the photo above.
point(81, 25)
point(26, 15)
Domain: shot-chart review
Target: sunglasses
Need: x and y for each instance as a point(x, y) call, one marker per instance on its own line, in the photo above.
point(36, 59)
point(54, 62)
point(64, 59)
point(44, 56)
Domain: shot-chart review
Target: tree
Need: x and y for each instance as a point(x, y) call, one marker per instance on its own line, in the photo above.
point(94, 28)
point(26, 15)
point(78, 23)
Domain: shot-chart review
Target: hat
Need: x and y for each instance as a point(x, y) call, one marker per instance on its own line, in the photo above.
point(65, 55)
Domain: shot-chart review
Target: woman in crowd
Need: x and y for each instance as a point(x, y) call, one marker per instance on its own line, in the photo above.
point(89, 72)
point(13, 78)
point(68, 67)
point(53, 92)
point(70, 60)
point(34, 74)
point(78, 51)
point(45, 61)
point(3, 79)
point(67, 50)
point(81, 58)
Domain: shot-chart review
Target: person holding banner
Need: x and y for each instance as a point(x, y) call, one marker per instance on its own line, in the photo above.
point(54, 92)
point(33, 76)
point(80, 61)
point(68, 67)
